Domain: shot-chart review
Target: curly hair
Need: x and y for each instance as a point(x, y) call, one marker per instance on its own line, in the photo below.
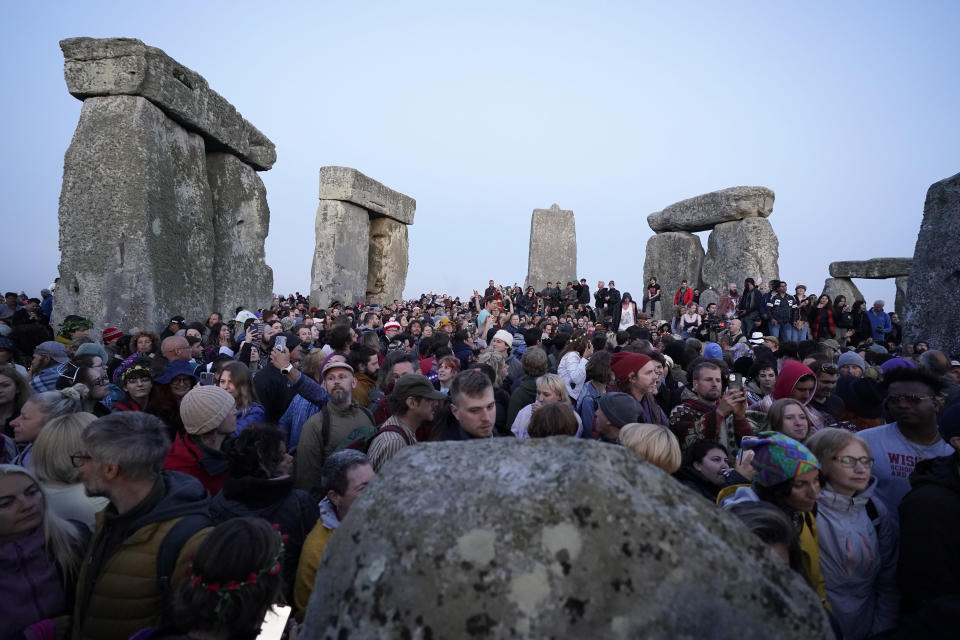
point(256, 452)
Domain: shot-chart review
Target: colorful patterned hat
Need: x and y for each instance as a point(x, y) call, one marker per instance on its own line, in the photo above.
point(778, 458)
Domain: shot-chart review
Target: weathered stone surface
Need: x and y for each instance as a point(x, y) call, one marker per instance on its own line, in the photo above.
point(874, 269)
point(136, 223)
point(349, 185)
point(387, 261)
point(704, 212)
point(900, 303)
point(709, 296)
point(553, 538)
point(935, 274)
point(671, 257)
point(126, 66)
point(739, 250)
point(553, 247)
point(845, 287)
point(241, 222)
point(339, 269)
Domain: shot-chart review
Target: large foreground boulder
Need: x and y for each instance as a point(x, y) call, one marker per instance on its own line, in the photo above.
point(704, 212)
point(671, 257)
point(934, 283)
point(554, 538)
point(873, 269)
point(739, 250)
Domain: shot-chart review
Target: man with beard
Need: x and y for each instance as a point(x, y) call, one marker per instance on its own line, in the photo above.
point(414, 402)
point(707, 413)
point(325, 430)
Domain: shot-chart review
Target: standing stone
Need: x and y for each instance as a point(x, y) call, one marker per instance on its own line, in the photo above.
point(900, 303)
point(934, 276)
point(671, 257)
point(388, 261)
point(873, 269)
point(241, 221)
point(136, 221)
point(551, 538)
point(553, 247)
point(704, 212)
point(834, 287)
point(340, 265)
point(739, 250)
point(710, 296)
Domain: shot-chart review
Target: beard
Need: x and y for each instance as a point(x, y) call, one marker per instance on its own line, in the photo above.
point(341, 397)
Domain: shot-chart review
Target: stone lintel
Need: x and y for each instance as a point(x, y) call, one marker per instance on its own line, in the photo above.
point(349, 185)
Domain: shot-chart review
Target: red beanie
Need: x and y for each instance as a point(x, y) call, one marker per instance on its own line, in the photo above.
point(624, 363)
point(111, 333)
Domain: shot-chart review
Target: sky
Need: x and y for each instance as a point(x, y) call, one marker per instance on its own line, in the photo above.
point(482, 113)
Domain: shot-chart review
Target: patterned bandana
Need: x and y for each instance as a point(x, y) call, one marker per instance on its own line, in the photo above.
point(778, 458)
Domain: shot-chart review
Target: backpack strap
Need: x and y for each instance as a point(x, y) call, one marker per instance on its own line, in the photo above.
point(874, 515)
point(325, 429)
point(170, 549)
point(392, 428)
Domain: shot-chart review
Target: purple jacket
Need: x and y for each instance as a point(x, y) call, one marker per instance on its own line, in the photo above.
point(37, 593)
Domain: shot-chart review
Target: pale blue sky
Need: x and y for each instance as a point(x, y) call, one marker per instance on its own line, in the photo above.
point(848, 111)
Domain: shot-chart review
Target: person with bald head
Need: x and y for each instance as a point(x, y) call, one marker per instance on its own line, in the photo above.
point(175, 348)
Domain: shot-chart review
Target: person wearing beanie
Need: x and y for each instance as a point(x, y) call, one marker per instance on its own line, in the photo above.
point(209, 416)
point(502, 341)
point(637, 375)
point(712, 350)
point(929, 566)
point(851, 364)
point(614, 410)
point(787, 475)
point(896, 363)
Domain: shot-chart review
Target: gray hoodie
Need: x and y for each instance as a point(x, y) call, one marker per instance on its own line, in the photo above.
point(858, 559)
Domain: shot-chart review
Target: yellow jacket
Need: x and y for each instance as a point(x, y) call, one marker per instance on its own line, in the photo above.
point(310, 557)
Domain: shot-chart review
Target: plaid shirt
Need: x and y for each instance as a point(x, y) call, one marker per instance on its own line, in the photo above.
point(46, 380)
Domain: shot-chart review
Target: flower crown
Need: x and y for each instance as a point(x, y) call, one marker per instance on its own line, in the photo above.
point(133, 369)
point(224, 589)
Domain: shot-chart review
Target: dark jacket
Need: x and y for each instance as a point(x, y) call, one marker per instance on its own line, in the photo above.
point(525, 393)
point(276, 501)
point(272, 392)
point(929, 564)
point(122, 559)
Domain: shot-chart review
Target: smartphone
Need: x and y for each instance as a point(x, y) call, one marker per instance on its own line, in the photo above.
point(280, 343)
point(274, 623)
point(258, 332)
point(735, 382)
point(743, 440)
point(206, 378)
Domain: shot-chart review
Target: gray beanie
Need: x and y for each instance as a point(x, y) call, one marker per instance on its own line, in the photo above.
point(851, 357)
point(620, 408)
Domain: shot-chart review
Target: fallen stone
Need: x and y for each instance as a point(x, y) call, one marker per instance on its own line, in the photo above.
point(553, 247)
point(126, 66)
point(387, 261)
point(339, 269)
point(136, 221)
point(349, 185)
point(935, 273)
point(672, 256)
point(552, 538)
point(845, 287)
point(900, 303)
point(241, 222)
point(704, 212)
point(739, 250)
point(874, 269)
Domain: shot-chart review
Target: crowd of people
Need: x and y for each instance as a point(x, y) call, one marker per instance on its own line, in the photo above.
point(179, 483)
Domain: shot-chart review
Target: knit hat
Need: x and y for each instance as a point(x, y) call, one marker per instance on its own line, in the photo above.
point(288, 323)
point(623, 363)
point(504, 335)
point(861, 396)
point(896, 363)
point(876, 348)
point(950, 422)
point(393, 324)
point(712, 350)
point(93, 349)
point(204, 408)
point(851, 358)
point(830, 342)
point(111, 333)
point(620, 408)
point(778, 458)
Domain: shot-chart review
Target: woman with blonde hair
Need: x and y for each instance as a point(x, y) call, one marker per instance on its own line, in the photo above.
point(496, 361)
point(654, 443)
point(14, 392)
point(857, 540)
point(789, 417)
point(40, 409)
point(550, 388)
point(39, 546)
point(51, 462)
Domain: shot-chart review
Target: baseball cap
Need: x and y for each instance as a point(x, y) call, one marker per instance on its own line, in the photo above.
point(414, 385)
point(53, 349)
point(336, 364)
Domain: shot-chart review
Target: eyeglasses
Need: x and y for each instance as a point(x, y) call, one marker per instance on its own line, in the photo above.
point(77, 459)
point(907, 398)
point(851, 462)
point(828, 368)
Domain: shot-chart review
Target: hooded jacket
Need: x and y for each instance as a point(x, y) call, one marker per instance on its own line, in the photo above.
point(858, 559)
point(929, 565)
point(790, 373)
point(118, 590)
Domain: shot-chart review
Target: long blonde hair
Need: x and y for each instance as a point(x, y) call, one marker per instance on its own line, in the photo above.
point(62, 539)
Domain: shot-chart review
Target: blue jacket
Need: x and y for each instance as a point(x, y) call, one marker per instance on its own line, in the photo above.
point(880, 324)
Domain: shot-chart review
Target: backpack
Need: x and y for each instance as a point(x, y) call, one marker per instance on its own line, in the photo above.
point(325, 429)
point(360, 439)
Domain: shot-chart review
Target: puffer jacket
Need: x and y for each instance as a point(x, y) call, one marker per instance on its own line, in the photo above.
point(118, 590)
point(858, 559)
point(276, 501)
point(37, 593)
